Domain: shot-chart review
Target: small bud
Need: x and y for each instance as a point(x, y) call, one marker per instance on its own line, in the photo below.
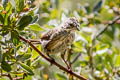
point(4, 12)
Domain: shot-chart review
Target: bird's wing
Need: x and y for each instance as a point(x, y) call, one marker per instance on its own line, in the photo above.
point(57, 38)
point(47, 35)
point(53, 34)
point(48, 39)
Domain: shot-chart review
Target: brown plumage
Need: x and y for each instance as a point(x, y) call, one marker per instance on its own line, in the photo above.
point(60, 38)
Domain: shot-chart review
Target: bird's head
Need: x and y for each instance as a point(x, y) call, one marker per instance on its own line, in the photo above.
point(71, 24)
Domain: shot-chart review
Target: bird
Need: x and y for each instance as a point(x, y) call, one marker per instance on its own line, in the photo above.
point(58, 39)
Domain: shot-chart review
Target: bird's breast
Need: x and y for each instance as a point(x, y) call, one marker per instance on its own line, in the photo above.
point(60, 44)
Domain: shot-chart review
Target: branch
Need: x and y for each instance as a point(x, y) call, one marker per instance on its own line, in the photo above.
point(75, 58)
point(18, 78)
point(90, 53)
point(51, 61)
point(10, 77)
point(109, 24)
point(7, 75)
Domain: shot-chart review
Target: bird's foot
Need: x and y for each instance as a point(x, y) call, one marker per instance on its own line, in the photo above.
point(68, 66)
point(52, 59)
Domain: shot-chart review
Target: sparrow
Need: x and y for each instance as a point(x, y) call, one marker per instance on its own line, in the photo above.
point(60, 38)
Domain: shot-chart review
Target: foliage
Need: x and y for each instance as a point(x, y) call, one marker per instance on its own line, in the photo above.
point(99, 58)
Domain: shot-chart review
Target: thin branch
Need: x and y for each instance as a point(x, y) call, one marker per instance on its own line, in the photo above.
point(104, 29)
point(10, 77)
point(18, 78)
point(7, 75)
point(51, 61)
point(90, 53)
point(75, 58)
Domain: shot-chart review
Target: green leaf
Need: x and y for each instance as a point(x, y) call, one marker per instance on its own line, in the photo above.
point(1, 18)
point(7, 16)
point(61, 76)
point(54, 13)
point(24, 57)
point(101, 48)
point(85, 37)
point(26, 68)
point(15, 37)
point(9, 8)
point(43, 62)
point(35, 18)
point(24, 21)
point(1, 8)
point(29, 62)
point(5, 32)
point(4, 55)
point(28, 77)
point(35, 54)
point(0, 54)
point(78, 46)
point(117, 62)
point(35, 27)
point(19, 5)
point(5, 66)
point(7, 20)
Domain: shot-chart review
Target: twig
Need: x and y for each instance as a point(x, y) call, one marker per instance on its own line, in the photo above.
point(10, 77)
point(51, 61)
point(36, 41)
point(104, 29)
point(18, 78)
point(75, 58)
point(90, 53)
point(7, 75)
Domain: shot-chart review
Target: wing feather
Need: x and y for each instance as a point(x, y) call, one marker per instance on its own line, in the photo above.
point(47, 35)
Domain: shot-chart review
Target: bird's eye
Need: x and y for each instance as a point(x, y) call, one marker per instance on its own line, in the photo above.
point(71, 24)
